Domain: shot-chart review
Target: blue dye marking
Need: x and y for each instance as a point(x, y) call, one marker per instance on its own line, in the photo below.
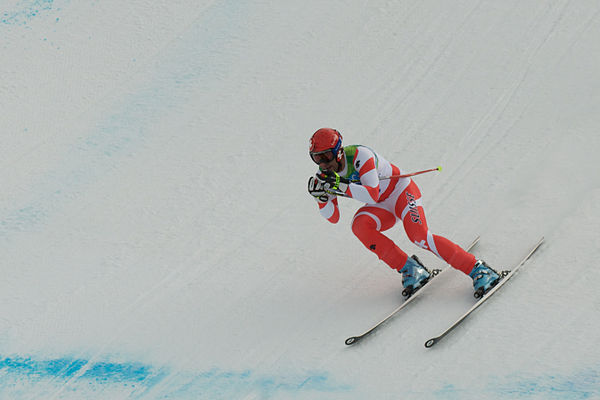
point(583, 384)
point(136, 380)
point(217, 384)
point(67, 368)
point(25, 11)
point(580, 385)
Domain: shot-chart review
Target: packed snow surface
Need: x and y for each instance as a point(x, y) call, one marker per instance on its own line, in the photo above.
point(157, 240)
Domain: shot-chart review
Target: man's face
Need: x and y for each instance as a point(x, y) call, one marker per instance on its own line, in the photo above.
point(329, 166)
point(327, 161)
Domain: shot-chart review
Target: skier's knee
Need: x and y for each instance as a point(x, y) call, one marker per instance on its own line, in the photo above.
point(365, 229)
point(363, 225)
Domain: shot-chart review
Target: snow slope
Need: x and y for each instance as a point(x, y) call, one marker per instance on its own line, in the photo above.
point(157, 240)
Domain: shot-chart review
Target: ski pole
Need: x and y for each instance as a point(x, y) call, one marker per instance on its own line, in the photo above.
point(407, 175)
point(413, 173)
point(338, 193)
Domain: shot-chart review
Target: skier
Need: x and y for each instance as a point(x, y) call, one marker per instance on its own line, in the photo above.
point(360, 173)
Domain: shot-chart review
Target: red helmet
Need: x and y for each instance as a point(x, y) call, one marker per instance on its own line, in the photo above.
point(325, 145)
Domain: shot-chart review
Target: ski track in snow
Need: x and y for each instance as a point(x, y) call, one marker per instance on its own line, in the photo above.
point(158, 242)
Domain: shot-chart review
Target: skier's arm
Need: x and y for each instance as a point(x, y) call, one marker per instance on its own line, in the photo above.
point(328, 203)
point(329, 209)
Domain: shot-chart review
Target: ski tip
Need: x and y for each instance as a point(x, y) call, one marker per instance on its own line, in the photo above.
point(430, 342)
point(351, 340)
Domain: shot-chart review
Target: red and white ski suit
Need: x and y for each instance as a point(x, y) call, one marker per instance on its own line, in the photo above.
point(387, 202)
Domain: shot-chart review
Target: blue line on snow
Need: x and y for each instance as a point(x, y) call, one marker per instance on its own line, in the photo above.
point(138, 380)
point(578, 385)
point(67, 368)
point(581, 384)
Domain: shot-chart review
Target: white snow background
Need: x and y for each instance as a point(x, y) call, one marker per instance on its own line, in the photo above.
point(157, 240)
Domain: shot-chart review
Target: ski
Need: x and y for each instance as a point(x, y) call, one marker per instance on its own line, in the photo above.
point(505, 277)
point(354, 339)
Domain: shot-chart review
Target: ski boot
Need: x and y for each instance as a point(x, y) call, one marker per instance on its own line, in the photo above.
point(414, 276)
point(484, 278)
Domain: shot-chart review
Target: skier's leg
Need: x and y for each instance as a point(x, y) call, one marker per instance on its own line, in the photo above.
point(410, 210)
point(367, 225)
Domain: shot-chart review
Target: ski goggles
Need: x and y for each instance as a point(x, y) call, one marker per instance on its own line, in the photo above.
point(323, 156)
